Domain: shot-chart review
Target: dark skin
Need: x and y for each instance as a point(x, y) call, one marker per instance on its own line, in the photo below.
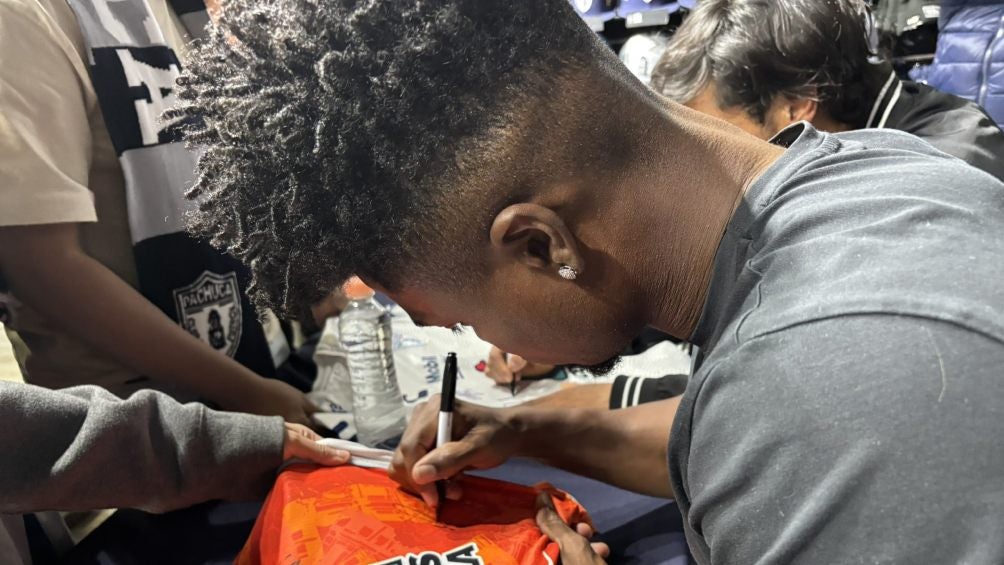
point(100, 309)
point(646, 259)
point(504, 368)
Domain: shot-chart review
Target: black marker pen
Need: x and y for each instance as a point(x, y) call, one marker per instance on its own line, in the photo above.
point(445, 428)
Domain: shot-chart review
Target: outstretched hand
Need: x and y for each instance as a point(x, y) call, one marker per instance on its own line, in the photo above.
point(302, 443)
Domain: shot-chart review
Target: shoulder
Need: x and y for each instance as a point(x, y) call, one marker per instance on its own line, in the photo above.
point(899, 161)
point(805, 430)
point(951, 124)
point(25, 23)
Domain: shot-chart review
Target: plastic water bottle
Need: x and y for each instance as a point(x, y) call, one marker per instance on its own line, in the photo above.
point(364, 330)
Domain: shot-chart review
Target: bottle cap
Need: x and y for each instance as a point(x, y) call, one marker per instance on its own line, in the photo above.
point(356, 289)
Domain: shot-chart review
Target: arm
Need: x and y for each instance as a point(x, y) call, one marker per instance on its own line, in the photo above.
point(103, 311)
point(46, 147)
point(624, 392)
point(590, 397)
point(83, 448)
point(627, 448)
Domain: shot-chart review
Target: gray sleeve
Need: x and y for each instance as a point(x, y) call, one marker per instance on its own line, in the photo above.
point(83, 448)
point(863, 439)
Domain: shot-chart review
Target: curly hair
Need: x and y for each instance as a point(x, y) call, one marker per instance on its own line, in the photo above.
point(335, 133)
point(756, 50)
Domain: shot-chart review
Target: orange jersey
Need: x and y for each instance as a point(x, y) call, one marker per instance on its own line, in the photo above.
point(354, 516)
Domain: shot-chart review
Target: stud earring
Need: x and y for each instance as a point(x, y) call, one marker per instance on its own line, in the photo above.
point(568, 273)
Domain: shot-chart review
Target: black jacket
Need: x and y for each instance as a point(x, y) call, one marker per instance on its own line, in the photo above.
point(951, 124)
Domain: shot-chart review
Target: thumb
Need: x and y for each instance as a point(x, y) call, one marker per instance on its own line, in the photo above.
point(309, 450)
point(516, 363)
point(575, 549)
point(549, 521)
point(445, 461)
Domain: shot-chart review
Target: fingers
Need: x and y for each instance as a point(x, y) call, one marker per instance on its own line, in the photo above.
point(516, 364)
point(400, 471)
point(498, 367)
point(575, 549)
point(298, 417)
point(418, 439)
point(446, 461)
point(309, 407)
point(586, 531)
point(301, 443)
point(600, 548)
point(417, 463)
point(303, 431)
point(453, 491)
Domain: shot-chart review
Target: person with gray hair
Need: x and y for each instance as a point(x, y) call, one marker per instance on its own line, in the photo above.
point(763, 65)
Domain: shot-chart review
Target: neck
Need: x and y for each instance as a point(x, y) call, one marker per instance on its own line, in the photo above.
point(688, 192)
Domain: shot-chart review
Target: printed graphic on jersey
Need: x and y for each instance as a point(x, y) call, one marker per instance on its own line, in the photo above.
point(463, 555)
point(210, 309)
point(352, 516)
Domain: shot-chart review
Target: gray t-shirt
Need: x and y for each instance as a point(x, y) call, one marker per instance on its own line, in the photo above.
point(849, 406)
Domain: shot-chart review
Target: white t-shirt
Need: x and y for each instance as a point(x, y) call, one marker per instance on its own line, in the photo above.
point(57, 165)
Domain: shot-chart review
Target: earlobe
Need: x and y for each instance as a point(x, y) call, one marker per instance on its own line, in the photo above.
point(537, 237)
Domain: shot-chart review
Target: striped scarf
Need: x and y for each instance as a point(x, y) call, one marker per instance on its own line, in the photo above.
point(133, 72)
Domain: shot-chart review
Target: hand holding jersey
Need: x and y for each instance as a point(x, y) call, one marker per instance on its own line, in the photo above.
point(303, 443)
point(575, 546)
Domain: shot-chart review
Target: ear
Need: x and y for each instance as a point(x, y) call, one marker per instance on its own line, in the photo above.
point(537, 237)
point(785, 111)
point(801, 109)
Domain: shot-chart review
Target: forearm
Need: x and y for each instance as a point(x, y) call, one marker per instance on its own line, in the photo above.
point(100, 309)
point(594, 397)
point(627, 448)
point(83, 448)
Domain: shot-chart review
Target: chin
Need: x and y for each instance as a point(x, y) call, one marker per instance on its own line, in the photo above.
point(602, 368)
point(593, 360)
